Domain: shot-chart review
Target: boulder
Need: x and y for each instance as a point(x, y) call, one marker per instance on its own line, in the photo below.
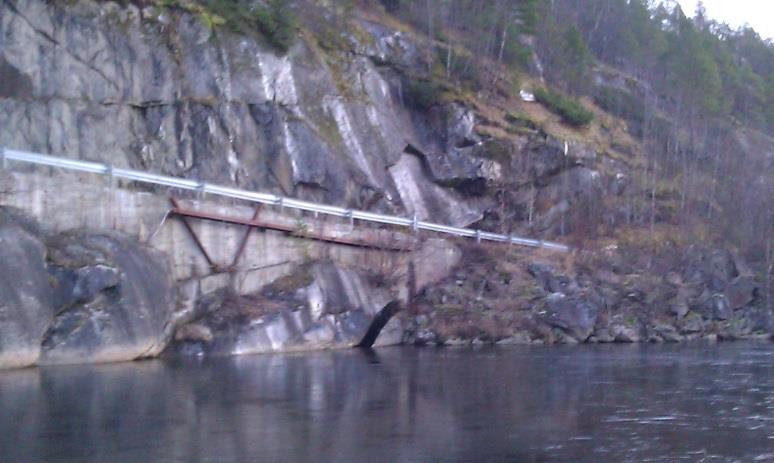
point(460, 169)
point(667, 332)
point(691, 324)
point(547, 277)
point(625, 331)
point(619, 183)
point(549, 156)
point(574, 315)
point(721, 309)
point(722, 268)
point(741, 291)
point(114, 300)
point(25, 290)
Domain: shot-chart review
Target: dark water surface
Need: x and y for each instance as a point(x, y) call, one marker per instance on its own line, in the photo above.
point(575, 404)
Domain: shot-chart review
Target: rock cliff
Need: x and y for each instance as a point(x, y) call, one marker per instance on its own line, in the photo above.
point(343, 120)
point(79, 297)
point(154, 88)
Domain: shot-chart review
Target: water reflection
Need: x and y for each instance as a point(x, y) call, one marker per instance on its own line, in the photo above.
point(605, 403)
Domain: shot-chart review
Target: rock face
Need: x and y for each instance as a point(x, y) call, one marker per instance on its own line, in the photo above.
point(25, 291)
point(113, 298)
point(79, 297)
point(320, 306)
point(156, 89)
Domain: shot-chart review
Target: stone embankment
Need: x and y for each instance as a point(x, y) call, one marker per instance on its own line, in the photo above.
point(615, 295)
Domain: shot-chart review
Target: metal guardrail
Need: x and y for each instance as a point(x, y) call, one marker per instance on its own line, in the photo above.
point(265, 198)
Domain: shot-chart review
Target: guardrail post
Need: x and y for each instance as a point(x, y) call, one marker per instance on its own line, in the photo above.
point(200, 191)
point(110, 177)
point(3, 162)
point(478, 236)
point(351, 221)
point(414, 223)
point(111, 194)
point(281, 204)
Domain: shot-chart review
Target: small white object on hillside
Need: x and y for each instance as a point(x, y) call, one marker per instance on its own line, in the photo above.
point(527, 96)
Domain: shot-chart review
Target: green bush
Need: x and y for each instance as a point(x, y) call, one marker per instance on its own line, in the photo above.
point(277, 24)
point(622, 104)
point(274, 21)
point(571, 111)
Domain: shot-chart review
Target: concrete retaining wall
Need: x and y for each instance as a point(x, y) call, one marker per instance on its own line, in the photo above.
point(64, 201)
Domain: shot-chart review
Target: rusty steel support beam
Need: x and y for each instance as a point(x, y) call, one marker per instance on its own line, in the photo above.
point(242, 245)
point(349, 241)
point(183, 218)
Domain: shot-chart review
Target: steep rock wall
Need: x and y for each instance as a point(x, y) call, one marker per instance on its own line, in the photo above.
point(156, 89)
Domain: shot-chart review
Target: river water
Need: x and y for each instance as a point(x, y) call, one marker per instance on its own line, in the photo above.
point(620, 403)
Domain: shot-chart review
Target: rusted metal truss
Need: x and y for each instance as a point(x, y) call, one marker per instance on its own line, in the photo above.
point(372, 239)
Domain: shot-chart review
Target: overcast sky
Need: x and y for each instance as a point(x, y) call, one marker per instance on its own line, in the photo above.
point(757, 13)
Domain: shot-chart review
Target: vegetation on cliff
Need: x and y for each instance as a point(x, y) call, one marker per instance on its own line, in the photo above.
point(695, 94)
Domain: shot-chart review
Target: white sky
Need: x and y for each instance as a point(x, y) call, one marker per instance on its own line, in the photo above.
point(757, 13)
